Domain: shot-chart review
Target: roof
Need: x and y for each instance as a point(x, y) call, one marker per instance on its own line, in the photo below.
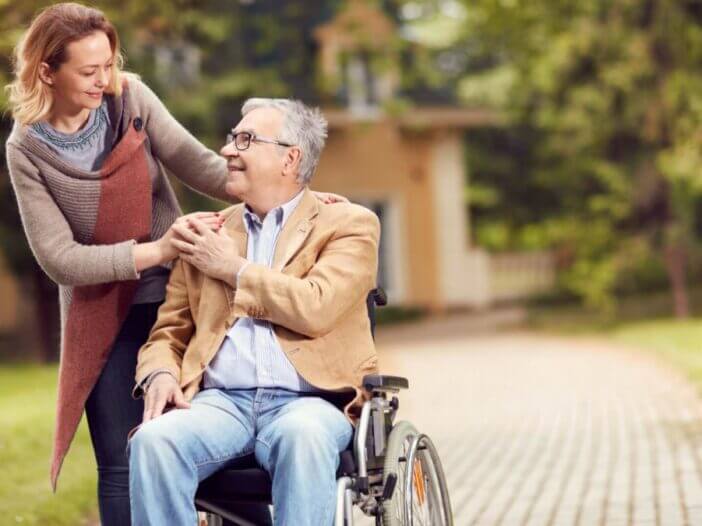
point(418, 118)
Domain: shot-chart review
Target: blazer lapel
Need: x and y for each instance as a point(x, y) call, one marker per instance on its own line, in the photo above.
point(236, 229)
point(296, 229)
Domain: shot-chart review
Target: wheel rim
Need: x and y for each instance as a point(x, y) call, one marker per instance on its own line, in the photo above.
point(427, 508)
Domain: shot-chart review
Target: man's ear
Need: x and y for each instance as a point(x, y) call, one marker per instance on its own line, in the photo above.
point(45, 74)
point(292, 160)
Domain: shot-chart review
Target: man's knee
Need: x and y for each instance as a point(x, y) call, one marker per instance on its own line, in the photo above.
point(307, 434)
point(151, 441)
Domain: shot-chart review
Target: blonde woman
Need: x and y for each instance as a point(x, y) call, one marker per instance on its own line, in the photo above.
point(86, 158)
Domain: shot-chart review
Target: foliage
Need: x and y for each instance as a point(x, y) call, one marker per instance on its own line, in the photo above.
point(606, 96)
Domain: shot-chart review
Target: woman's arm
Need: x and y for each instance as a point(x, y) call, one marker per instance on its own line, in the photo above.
point(51, 239)
point(182, 154)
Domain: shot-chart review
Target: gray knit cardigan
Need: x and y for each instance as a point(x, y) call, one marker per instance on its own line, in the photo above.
point(58, 204)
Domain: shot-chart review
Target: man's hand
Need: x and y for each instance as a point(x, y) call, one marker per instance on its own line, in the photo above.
point(167, 251)
point(214, 254)
point(163, 390)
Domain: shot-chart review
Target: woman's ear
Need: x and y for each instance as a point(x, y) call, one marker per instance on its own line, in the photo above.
point(45, 74)
point(293, 158)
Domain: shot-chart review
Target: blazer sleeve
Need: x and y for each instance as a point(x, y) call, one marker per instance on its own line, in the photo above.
point(170, 334)
point(344, 272)
point(182, 154)
point(51, 238)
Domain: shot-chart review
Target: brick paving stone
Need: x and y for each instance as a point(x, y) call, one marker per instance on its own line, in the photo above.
point(538, 430)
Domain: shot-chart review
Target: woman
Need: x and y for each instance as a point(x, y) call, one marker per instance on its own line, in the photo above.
point(86, 158)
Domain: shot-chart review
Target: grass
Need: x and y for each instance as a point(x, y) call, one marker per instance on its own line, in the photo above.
point(642, 321)
point(677, 341)
point(27, 400)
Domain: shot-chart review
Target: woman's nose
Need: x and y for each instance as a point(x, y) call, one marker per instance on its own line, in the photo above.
point(102, 78)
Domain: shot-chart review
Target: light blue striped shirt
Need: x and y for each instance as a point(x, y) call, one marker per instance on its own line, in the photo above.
point(250, 355)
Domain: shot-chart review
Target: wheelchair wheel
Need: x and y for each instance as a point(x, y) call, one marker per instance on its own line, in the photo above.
point(427, 490)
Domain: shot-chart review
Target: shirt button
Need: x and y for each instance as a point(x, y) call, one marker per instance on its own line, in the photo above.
point(138, 124)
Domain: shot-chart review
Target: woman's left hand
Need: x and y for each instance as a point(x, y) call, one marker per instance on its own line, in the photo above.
point(328, 198)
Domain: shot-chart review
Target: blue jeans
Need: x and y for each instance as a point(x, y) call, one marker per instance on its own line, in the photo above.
point(297, 439)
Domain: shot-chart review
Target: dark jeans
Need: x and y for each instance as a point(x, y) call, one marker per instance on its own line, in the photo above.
point(112, 412)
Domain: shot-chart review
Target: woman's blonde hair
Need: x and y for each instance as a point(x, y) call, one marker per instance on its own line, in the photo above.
point(49, 34)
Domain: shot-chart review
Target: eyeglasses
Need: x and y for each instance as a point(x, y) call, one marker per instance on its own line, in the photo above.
point(242, 140)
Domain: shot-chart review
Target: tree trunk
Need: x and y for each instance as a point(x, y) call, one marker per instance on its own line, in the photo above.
point(676, 265)
point(46, 317)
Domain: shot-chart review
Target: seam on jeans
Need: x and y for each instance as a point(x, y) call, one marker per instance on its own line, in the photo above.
point(268, 456)
point(199, 464)
point(263, 442)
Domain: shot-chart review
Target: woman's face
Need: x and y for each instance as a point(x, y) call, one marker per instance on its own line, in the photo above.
point(79, 83)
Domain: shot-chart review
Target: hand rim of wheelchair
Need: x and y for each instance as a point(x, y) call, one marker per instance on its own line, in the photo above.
point(398, 510)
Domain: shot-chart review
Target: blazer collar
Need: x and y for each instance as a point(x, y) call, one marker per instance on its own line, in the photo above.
point(294, 233)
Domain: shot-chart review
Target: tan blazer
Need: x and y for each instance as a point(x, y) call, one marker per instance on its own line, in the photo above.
point(324, 265)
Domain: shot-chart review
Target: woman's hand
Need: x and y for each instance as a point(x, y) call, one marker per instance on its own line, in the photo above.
point(328, 198)
point(160, 252)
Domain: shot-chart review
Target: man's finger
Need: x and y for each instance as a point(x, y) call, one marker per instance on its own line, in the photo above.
point(159, 404)
point(179, 400)
point(183, 246)
point(185, 233)
point(188, 258)
point(150, 403)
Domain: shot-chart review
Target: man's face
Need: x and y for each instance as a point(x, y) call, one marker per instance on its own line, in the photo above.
point(256, 170)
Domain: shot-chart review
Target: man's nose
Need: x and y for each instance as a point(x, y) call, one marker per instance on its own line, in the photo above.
point(229, 150)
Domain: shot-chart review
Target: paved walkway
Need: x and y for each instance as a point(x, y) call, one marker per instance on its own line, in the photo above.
point(535, 430)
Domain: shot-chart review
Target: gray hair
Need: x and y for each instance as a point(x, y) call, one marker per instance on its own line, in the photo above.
point(303, 126)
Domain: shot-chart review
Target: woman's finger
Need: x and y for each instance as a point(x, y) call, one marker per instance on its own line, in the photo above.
point(203, 214)
point(200, 227)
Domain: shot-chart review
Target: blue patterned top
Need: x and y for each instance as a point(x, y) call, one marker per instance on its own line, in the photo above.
point(85, 149)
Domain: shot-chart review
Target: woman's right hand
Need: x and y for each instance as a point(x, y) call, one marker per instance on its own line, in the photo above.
point(168, 251)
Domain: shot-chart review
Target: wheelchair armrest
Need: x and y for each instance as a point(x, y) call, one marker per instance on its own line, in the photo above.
point(381, 382)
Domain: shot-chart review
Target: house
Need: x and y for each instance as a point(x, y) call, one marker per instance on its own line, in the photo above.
point(409, 166)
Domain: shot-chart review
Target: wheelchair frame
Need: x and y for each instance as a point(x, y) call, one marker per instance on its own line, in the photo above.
point(363, 480)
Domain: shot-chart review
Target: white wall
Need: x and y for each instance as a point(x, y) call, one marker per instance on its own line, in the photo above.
point(463, 273)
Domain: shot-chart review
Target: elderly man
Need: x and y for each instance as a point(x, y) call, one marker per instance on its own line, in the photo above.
point(264, 326)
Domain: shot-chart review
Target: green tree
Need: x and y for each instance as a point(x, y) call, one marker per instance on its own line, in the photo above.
point(611, 88)
point(241, 49)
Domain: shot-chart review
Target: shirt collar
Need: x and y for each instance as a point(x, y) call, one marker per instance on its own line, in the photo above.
point(281, 213)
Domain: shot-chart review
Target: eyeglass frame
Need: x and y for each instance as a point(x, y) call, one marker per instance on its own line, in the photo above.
point(232, 135)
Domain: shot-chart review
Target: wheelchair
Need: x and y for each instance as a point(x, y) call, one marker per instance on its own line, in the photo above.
point(391, 471)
